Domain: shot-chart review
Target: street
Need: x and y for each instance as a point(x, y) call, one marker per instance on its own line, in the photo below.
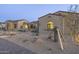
point(7, 47)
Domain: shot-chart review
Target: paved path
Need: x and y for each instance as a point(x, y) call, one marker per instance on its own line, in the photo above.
point(7, 47)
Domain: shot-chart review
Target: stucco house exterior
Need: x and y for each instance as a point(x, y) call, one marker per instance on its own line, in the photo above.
point(16, 24)
point(49, 21)
point(22, 24)
point(67, 22)
point(2, 26)
point(33, 26)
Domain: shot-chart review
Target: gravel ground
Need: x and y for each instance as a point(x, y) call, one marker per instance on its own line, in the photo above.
point(40, 46)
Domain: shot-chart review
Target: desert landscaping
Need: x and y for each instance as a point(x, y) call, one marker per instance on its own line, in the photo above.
point(37, 44)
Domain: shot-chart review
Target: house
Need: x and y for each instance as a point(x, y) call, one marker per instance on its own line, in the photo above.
point(10, 25)
point(2, 26)
point(70, 22)
point(48, 22)
point(33, 26)
point(22, 24)
point(67, 22)
point(17, 25)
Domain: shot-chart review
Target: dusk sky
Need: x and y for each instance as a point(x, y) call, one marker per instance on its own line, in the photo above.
point(30, 12)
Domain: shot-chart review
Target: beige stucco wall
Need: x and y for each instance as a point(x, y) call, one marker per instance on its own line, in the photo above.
point(20, 23)
point(57, 20)
point(10, 26)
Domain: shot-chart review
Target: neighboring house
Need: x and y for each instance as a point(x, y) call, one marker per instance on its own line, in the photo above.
point(33, 26)
point(61, 19)
point(2, 26)
point(22, 24)
point(17, 25)
point(10, 25)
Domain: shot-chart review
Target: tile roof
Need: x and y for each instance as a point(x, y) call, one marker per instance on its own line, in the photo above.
point(60, 13)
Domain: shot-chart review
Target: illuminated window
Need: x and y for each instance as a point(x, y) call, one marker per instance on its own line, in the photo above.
point(50, 25)
point(25, 25)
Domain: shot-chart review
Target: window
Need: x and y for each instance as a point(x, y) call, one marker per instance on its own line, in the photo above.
point(50, 25)
point(15, 25)
point(25, 25)
point(32, 26)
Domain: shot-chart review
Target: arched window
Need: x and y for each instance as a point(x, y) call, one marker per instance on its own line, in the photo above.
point(50, 25)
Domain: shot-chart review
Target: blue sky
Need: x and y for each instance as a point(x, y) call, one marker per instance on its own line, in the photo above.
point(30, 12)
